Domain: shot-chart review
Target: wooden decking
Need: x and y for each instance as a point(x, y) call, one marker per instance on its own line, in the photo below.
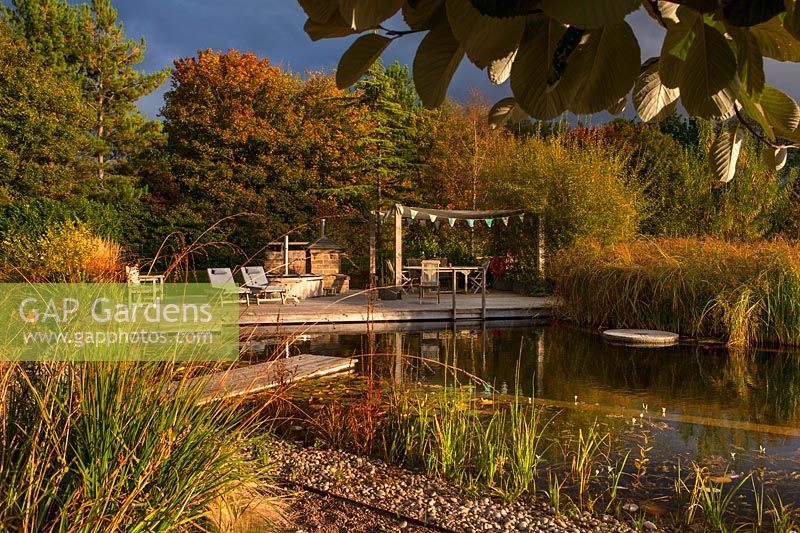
point(263, 376)
point(355, 309)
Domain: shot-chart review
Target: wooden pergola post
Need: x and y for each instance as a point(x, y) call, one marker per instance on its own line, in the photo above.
point(398, 246)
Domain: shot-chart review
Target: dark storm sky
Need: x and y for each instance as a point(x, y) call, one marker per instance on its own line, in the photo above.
point(274, 29)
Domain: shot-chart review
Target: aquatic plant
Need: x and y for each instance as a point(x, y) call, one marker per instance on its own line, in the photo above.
point(740, 293)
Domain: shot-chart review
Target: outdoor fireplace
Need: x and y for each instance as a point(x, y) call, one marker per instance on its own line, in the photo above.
point(320, 259)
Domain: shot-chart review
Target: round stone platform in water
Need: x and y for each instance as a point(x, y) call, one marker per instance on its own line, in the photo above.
point(640, 337)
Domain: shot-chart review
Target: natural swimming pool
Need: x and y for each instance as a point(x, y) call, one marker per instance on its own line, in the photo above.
point(730, 412)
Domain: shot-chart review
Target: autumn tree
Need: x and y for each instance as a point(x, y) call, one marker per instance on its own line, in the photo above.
point(245, 136)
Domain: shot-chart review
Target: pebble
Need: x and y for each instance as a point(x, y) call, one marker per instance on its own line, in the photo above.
point(408, 494)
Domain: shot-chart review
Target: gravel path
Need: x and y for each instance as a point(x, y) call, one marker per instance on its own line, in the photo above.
point(407, 494)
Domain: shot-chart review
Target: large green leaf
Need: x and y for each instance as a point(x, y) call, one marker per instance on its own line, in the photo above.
point(754, 110)
point(362, 15)
point(504, 112)
point(780, 109)
point(774, 158)
point(703, 6)
point(709, 84)
point(619, 107)
point(591, 14)
point(676, 45)
point(500, 69)
point(792, 20)
point(751, 62)
point(653, 100)
point(319, 10)
point(423, 14)
point(750, 12)
point(775, 42)
point(541, 99)
point(435, 62)
point(609, 61)
point(725, 152)
point(333, 27)
point(358, 58)
point(505, 8)
point(484, 38)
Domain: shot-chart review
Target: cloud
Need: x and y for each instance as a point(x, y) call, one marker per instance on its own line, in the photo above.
point(274, 29)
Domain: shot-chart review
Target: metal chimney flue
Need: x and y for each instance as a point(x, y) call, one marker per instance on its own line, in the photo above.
point(322, 229)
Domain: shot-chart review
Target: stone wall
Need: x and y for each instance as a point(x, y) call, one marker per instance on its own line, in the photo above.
point(273, 263)
point(325, 262)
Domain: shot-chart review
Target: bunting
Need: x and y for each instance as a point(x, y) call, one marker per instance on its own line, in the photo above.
point(489, 222)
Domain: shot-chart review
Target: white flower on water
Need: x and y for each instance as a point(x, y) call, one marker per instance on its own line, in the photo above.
point(633, 420)
point(762, 450)
point(733, 456)
point(663, 411)
point(576, 398)
point(644, 406)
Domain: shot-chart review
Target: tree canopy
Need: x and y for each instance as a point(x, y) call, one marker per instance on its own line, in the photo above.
point(583, 57)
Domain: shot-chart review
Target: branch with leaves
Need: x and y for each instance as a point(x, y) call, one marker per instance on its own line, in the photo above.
point(583, 57)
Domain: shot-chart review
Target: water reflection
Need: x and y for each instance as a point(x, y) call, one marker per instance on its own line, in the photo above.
point(560, 362)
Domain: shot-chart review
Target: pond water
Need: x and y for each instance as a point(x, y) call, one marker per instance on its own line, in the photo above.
point(733, 412)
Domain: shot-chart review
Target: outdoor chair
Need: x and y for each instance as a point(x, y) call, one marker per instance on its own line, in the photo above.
point(405, 280)
point(255, 279)
point(221, 280)
point(429, 278)
point(477, 279)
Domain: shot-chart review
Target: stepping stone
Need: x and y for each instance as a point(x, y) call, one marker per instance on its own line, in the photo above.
point(640, 337)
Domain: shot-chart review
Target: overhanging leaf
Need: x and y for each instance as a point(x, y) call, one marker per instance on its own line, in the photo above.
point(529, 74)
point(725, 152)
point(667, 12)
point(609, 61)
point(750, 12)
point(708, 83)
point(751, 62)
point(506, 111)
point(653, 100)
point(775, 41)
point(792, 20)
point(335, 27)
point(780, 109)
point(774, 158)
point(676, 45)
point(619, 107)
point(592, 14)
point(435, 62)
point(362, 15)
point(754, 110)
point(500, 69)
point(358, 58)
point(484, 38)
point(319, 10)
point(423, 14)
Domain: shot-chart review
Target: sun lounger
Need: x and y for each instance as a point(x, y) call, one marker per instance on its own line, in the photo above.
point(221, 279)
point(255, 279)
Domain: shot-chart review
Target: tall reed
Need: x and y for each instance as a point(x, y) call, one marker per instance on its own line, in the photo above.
point(739, 293)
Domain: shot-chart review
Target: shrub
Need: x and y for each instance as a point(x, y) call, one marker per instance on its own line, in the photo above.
point(741, 293)
point(67, 252)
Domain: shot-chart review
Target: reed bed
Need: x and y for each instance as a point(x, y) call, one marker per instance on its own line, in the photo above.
point(743, 294)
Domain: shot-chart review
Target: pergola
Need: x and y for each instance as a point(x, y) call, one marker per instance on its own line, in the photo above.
point(402, 212)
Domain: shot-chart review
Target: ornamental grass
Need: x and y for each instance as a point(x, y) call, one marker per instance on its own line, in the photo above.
point(742, 294)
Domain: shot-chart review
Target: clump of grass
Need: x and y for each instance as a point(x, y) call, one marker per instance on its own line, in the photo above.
point(448, 437)
point(105, 447)
point(740, 293)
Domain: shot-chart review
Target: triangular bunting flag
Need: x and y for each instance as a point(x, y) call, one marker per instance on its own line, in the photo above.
point(410, 221)
point(432, 217)
point(521, 217)
point(489, 221)
point(413, 213)
point(470, 222)
point(505, 221)
point(452, 222)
